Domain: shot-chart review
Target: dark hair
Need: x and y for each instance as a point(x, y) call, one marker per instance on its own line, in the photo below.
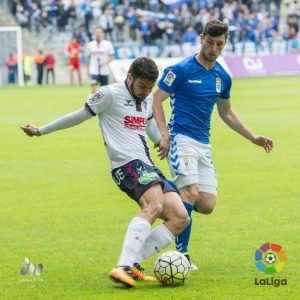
point(144, 67)
point(215, 28)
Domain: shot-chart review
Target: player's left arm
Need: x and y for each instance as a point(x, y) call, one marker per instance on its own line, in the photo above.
point(234, 122)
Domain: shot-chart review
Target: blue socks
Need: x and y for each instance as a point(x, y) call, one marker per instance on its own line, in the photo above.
point(182, 241)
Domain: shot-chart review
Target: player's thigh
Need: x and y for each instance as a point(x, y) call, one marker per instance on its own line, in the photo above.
point(152, 198)
point(173, 207)
point(183, 161)
point(135, 178)
point(207, 175)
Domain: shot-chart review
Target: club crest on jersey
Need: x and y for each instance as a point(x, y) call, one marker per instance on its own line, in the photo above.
point(96, 97)
point(186, 161)
point(169, 78)
point(218, 84)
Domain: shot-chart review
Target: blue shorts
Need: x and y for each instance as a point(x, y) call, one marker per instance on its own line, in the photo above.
point(136, 177)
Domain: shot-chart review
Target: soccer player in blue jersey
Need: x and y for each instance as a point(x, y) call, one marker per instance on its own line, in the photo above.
point(195, 85)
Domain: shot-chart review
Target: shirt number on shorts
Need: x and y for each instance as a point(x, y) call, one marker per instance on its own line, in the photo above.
point(119, 176)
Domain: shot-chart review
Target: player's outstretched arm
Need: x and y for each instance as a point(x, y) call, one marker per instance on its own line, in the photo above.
point(66, 121)
point(234, 122)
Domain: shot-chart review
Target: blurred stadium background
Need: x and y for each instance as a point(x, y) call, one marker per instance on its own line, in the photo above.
point(262, 34)
point(58, 203)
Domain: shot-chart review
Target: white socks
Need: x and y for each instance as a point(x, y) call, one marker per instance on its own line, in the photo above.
point(158, 239)
point(139, 243)
point(137, 232)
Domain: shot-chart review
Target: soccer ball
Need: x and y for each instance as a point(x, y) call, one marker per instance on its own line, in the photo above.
point(270, 258)
point(172, 268)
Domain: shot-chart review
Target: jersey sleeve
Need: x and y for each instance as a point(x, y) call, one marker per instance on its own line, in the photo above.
point(226, 93)
point(99, 101)
point(171, 79)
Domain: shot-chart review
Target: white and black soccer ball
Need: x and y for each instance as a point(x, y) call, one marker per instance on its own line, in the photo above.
point(270, 258)
point(172, 268)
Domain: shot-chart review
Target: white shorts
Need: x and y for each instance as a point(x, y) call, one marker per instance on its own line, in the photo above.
point(190, 162)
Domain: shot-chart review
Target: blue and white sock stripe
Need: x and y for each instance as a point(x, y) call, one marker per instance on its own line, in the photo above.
point(174, 159)
point(178, 245)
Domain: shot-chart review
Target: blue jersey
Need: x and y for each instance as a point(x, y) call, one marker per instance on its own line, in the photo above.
point(194, 92)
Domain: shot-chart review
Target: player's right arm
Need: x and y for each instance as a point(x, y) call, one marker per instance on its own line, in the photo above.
point(96, 104)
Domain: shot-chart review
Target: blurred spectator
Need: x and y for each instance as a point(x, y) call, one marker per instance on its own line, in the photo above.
point(27, 63)
point(36, 17)
point(72, 16)
point(74, 51)
point(39, 61)
point(145, 30)
point(22, 14)
point(251, 23)
point(100, 54)
point(49, 63)
point(88, 14)
point(12, 68)
point(62, 16)
point(132, 22)
point(190, 36)
point(52, 12)
point(119, 22)
point(106, 21)
point(170, 32)
point(81, 35)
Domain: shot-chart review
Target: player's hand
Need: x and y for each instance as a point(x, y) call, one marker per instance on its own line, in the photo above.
point(31, 130)
point(264, 142)
point(164, 146)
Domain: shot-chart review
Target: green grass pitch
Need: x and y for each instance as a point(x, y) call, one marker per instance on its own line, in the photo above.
point(60, 207)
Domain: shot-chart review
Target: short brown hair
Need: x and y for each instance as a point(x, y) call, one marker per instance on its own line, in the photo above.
point(215, 28)
point(144, 67)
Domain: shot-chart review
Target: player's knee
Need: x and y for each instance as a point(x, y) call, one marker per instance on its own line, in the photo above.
point(190, 194)
point(206, 206)
point(208, 210)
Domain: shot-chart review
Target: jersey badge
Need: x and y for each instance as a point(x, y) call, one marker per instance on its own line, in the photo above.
point(218, 84)
point(96, 97)
point(186, 161)
point(169, 78)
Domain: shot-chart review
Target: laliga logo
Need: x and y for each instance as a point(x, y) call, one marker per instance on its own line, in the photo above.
point(28, 268)
point(270, 259)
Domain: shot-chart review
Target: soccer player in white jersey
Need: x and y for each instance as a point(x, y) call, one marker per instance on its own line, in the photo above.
point(125, 116)
point(100, 53)
point(195, 85)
